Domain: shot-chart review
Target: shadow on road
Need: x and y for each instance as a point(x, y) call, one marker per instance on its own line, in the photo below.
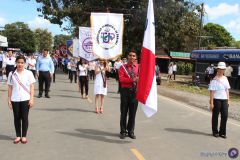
point(96, 135)
point(66, 96)
point(4, 137)
point(64, 110)
point(187, 131)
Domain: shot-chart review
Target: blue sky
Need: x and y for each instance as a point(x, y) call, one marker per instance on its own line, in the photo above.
point(223, 12)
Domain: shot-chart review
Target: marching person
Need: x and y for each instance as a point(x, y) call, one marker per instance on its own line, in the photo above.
point(100, 84)
point(9, 63)
point(83, 77)
point(55, 63)
point(128, 77)
point(219, 100)
point(31, 64)
point(45, 70)
point(20, 97)
point(73, 64)
point(117, 65)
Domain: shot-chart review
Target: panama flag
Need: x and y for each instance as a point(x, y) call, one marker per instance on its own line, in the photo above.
point(147, 88)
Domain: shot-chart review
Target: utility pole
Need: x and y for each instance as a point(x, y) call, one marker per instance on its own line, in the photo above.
point(201, 25)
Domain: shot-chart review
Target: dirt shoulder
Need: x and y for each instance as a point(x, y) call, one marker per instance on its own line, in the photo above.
point(195, 99)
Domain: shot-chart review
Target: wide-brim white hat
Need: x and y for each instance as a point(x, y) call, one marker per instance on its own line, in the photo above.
point(221, 65)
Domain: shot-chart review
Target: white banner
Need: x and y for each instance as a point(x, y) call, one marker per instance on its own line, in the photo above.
point(75, 47)
point(85, 44)
point(107, 34)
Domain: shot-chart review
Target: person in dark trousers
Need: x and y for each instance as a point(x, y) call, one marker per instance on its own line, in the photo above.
point(55, 63)
point(219, 100)
point(9, 63)
point(20, 97)
point(45, 70)
point(128, 77)
point(83, 77)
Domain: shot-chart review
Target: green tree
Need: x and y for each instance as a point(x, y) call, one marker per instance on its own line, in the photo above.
point(20, 36)
point(176, 21)
point(43, 39)
point(218, 36)
point(61, 39)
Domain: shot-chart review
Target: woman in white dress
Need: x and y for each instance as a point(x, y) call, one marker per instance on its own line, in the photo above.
point(170, 71)
point(100, 85)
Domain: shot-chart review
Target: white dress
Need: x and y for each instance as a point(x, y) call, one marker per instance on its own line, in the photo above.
point(98, 84)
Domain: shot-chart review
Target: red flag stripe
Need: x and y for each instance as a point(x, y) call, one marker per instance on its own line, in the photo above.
point(146, 75)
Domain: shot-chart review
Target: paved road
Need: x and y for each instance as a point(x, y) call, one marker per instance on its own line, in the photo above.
point(66, 128)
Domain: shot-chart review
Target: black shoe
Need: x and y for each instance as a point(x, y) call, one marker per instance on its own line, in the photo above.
point(123, 135)
point(131, 135)
point(47, 96)
point(223, 136)
point(215, 135)
point(39, 96)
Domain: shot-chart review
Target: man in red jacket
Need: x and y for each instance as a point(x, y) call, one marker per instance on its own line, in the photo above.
point(128, 77)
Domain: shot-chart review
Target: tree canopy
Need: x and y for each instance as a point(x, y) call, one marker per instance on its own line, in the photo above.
point(20, 36)
point(61, 39)
point(177, 24)
point(218, 36)
point(44, 39)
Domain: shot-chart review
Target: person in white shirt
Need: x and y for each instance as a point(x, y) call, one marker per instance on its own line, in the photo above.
point(31, 64)
point(83, 77)
point(117, 65)
point(174, 70)
point(92, 65)
point(219, 100)
point(228, 72)
point(20, 97)
point(170, 72)
point(238, 78)
point(73, 65)
point(9, 63)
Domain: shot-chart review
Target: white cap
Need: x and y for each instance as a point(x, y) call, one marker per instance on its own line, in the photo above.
point(221, 65)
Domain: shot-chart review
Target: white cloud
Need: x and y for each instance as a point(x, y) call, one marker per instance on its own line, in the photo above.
point(223, 9)
point(39, 22)
point(233, 26)
point(3, 21)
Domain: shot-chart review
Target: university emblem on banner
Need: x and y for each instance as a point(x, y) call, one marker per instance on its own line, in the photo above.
point(107, 37)
point(87, 45)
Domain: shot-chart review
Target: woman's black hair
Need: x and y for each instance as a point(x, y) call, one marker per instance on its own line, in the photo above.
point(15, 68)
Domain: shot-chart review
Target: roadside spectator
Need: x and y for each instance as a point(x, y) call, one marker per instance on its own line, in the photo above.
point(170, 72)
point(238, 78)
point(209, 73)
point(219, 100)
point(31, 64)
point(1, 65)
point(228, 72)
point(174, 70)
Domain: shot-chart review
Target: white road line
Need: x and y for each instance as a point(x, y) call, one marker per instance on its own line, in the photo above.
point(195, 109)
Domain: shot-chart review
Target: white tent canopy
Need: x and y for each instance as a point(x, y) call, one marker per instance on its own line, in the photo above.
point(3, 41)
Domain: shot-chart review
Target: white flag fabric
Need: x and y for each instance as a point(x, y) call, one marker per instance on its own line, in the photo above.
point(107, 33)
point(147, 88)
point(75, 47)
point(85, 44)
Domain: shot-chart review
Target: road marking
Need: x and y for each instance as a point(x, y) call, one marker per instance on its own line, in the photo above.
point(137, 154)
point(195, 109)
